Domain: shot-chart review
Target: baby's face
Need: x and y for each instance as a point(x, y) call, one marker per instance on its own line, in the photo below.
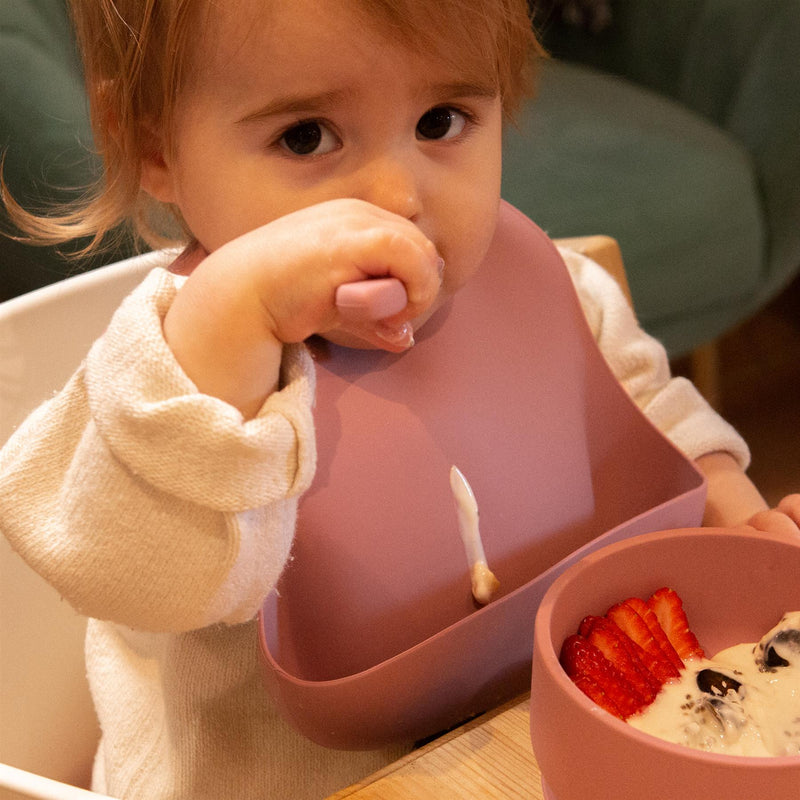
point(304, 103)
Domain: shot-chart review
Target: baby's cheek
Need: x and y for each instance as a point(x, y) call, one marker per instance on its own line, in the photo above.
point(457, 273)
point(469, 252)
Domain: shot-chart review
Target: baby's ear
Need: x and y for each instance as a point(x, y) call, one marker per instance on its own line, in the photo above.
point(127, 142)
point(156, 175)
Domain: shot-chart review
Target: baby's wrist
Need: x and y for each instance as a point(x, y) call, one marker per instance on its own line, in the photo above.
point(224, 345)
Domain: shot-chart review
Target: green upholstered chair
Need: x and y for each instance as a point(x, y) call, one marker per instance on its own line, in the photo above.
point(44, 135)
point(675, 130)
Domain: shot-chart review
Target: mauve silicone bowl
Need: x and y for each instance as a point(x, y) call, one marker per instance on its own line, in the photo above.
point(735, 584)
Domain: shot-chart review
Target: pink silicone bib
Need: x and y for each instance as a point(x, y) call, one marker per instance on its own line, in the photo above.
point(373, 635)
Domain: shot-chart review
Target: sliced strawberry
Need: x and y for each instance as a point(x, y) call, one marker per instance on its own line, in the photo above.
point(668, 608)
point(598, 678)
point(604, 634)
point(653, 654)
point(658, 633)
point(585, 628)
point(596, 693)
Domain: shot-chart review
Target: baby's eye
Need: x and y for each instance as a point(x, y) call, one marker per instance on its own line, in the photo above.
point(309, 138)
point(441, 122)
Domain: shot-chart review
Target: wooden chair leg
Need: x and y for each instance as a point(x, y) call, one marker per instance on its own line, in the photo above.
point(705, 372)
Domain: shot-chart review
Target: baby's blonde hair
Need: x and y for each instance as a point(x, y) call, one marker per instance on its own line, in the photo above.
point(135, 53)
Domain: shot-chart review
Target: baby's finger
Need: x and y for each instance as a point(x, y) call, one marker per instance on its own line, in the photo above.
point(790, 505)
point(374, 301)
point(774, 521)
point(411, 259)
point(395, 337)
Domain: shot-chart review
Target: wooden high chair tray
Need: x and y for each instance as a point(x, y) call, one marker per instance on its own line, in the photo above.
point(372, 636)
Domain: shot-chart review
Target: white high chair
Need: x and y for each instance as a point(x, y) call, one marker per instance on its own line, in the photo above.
point(48, 730)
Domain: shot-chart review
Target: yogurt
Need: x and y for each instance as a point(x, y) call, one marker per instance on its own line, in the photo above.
point(743, 701)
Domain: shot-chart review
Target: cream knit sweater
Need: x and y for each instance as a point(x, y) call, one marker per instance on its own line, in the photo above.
point(165, 518)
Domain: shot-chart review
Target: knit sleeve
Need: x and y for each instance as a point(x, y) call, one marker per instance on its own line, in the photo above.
point(146, 502)
point(640, 363)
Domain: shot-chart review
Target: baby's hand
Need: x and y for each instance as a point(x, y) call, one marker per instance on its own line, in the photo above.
point(302, 259)
point(277, 285)
point(784, 519)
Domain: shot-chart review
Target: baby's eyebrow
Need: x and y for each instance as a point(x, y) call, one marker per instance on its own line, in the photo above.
point(476, 89)
point(295, 104)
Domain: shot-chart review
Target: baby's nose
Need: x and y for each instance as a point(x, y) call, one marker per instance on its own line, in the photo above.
point(393, 186)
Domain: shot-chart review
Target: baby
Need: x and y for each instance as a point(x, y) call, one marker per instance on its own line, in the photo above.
point(291, 147)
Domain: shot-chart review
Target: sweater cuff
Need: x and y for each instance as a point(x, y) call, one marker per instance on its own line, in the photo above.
point(682, 413)
point(193, 446)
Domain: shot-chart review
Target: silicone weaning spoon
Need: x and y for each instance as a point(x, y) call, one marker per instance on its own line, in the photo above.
point(484, 582)
point(372, 299)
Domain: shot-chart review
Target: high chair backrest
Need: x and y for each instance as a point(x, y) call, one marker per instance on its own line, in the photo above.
point(47, 724)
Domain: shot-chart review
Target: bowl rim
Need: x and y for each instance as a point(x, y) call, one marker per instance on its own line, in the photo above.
point(544, 649)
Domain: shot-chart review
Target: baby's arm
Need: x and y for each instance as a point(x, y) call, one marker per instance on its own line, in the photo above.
point(276, 285)
point(734, 500)
point(674, 405)
point(732, 497)
point(147, 503)
point(159, 488)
